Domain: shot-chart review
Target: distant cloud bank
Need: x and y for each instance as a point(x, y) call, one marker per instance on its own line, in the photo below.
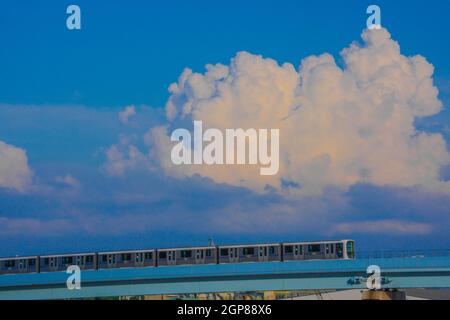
point(383, 227)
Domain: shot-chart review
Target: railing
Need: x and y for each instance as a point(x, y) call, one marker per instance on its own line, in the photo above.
point(402, 254)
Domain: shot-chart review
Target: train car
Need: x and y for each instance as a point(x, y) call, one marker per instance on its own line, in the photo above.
point(127, 259)
point(183, 256)
point(19, 265)
point(292, 251)
point(60, 262)
point(342, 249)
point(250, 253)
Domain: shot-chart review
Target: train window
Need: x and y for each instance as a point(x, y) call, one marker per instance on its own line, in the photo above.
point(327, 248)
point(126, 257)
point(163, 255)
point(224, 252)
point(301, 249)
point(271, 250)
point(339, 249)
point(248, 251)
point(332, 248)
point(10, 263)
point(314, 248)
point(148, 255)
point(288, 249)
point(89, 259)
point(46, 261)
point(208, 252)
point(104, 258)
point(31, 262)
point(67, 260)
point(186, 253)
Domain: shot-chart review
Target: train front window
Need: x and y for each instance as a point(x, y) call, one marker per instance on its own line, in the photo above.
point(350, 249)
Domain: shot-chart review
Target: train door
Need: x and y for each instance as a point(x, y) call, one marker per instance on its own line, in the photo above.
point(22, 265)
point(111, 260)
point(139, 259)
point(234, 255)
point(53, 263)
point(199, 256)
point(171, 258)
point(263, 254)
point(298, 252)
point(80, 261)
point(327, 250)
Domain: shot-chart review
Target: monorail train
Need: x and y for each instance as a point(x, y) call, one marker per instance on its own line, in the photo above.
point(283, 252)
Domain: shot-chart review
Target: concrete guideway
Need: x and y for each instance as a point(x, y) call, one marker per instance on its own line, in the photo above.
point(398, 273)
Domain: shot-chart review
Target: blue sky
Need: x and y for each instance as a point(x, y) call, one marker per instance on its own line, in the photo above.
point(61, 92)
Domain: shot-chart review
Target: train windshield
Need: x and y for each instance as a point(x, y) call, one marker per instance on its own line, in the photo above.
point(350, 249)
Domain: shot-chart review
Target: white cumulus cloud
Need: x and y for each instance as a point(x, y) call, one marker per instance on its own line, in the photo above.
point(339, 125)
point(124, 156)
point(14, 170)
point(127, 113)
